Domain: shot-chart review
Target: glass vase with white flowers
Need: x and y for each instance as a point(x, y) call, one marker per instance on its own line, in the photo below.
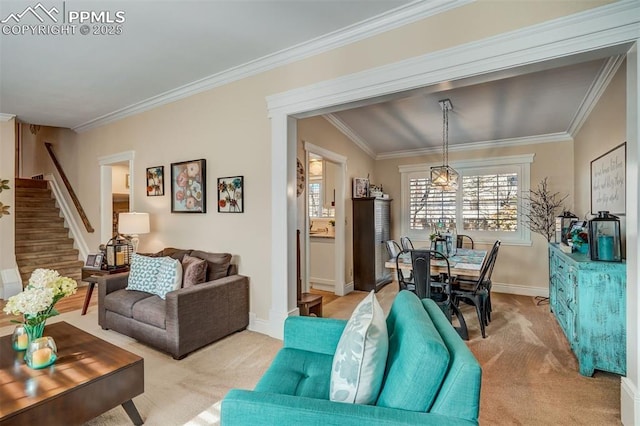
point(37, 302)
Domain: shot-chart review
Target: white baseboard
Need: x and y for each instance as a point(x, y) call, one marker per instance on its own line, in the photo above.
point(520, 289)
point(259, 325)
point(10, 283)
point(629, 403)
point(323, 286)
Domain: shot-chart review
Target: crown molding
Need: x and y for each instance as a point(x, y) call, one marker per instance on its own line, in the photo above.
point(350, 133)
point(477, 162)
point(596, 90)
point(6, 117)
point(529, 140)
point(390, 20)
point(587, 31)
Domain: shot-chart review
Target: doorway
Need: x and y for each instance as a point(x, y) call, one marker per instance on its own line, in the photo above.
point(116, 166)
point(324, 242)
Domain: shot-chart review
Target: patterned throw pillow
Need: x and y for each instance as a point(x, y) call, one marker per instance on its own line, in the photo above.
point(361, 355)
point(194, 271)
point(143, 272)
point(169, 276)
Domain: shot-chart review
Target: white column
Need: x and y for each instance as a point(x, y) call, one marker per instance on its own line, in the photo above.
point(283, 222)
point(630, 385)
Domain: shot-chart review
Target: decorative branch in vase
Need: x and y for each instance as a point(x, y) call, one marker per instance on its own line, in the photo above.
point(541, 208)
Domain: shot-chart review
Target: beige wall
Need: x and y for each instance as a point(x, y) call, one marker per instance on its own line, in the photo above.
point(229, 127)
point(553, 160)
point(7, 171)
point(602, 131)
point(119, 179)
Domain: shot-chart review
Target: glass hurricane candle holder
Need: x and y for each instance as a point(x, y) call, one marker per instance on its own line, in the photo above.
point(41, 353)
point(20, 338)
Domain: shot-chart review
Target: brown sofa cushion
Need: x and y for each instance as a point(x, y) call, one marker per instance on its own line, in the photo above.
point(152, 311)
point(175, 253)
point(122, 301)
point(194, 271)
point(217, 263)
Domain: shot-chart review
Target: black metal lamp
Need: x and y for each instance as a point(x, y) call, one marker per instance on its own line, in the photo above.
point(604, 238)
point(118, 251)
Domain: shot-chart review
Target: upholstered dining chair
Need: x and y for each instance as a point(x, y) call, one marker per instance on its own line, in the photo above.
point(462, 240)
point(477, 292)
point(406, 243)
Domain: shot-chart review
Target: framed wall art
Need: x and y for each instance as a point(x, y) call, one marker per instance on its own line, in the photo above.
point(188, 187)
point(231, 194)
point(155, 181)
point(608, 181)
point(360, 187)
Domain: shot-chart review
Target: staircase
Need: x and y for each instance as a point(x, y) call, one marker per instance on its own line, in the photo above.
point(42, 240)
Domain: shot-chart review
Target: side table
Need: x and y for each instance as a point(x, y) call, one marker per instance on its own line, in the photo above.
point(91, 275)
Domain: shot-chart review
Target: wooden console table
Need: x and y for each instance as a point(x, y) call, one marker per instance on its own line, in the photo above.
point(91, 275)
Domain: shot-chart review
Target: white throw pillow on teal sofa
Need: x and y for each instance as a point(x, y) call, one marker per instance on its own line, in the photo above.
point(361, 355)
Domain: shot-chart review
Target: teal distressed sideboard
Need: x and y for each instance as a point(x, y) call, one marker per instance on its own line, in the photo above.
point(588, 299)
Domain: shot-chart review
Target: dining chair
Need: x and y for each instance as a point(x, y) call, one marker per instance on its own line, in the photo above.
point(406, 243)
point(436, 287)
point(477, 292)
point(393, 248)
point(405, 282)
point(462, 239)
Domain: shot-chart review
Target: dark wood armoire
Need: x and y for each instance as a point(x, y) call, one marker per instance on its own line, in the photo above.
point(371, 228)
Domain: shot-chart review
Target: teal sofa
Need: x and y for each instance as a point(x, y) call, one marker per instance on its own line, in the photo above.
point(431, 377)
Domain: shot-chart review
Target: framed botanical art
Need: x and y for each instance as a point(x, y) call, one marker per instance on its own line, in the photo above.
point(230, 194)
point(155, 181)
point(188, 187)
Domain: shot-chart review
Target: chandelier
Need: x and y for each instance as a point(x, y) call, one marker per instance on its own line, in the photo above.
point(444, 176)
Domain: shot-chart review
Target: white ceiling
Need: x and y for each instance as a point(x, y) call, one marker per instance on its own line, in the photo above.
point(170, 49)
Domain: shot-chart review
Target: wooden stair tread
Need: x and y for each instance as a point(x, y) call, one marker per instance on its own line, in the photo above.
point(41, 238)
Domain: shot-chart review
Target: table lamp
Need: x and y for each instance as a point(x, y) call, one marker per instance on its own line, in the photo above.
point(132, 224)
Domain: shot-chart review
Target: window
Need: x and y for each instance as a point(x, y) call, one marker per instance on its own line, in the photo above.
point(487, 205)
point(315, 200)
point(490, 202)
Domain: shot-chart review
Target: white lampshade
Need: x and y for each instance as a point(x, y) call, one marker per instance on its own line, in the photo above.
point(133, 223)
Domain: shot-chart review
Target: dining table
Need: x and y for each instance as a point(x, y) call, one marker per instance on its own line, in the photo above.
point(464, 262)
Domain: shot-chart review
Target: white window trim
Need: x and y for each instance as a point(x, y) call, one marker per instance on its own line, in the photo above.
point(519, 163)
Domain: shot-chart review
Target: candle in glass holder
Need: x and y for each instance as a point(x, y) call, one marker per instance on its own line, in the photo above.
point(22, 341)
point(41, 357)
point(120, 258)
point(20, 338)
point(41, 352)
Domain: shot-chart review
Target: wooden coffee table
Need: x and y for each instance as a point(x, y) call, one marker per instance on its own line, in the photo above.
point(89, 377)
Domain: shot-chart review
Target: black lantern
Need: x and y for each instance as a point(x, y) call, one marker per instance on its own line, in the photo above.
point(563, 226)
point(604, 238)
point(118, 251)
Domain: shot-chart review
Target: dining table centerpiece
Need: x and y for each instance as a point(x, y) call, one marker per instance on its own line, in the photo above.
point(37, 303)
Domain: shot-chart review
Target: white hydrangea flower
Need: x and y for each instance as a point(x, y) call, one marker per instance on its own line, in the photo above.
point(36, 302)
point(41, 278)
point(30, 302)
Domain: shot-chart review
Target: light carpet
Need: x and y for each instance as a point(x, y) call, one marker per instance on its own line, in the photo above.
point(185, 392)
point(529, 374)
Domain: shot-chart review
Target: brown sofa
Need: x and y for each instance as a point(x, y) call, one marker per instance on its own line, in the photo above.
point(189, 318)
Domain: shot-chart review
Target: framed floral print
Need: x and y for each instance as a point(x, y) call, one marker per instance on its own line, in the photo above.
point(155, 181)
point(230, 194)
point(188, 187)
